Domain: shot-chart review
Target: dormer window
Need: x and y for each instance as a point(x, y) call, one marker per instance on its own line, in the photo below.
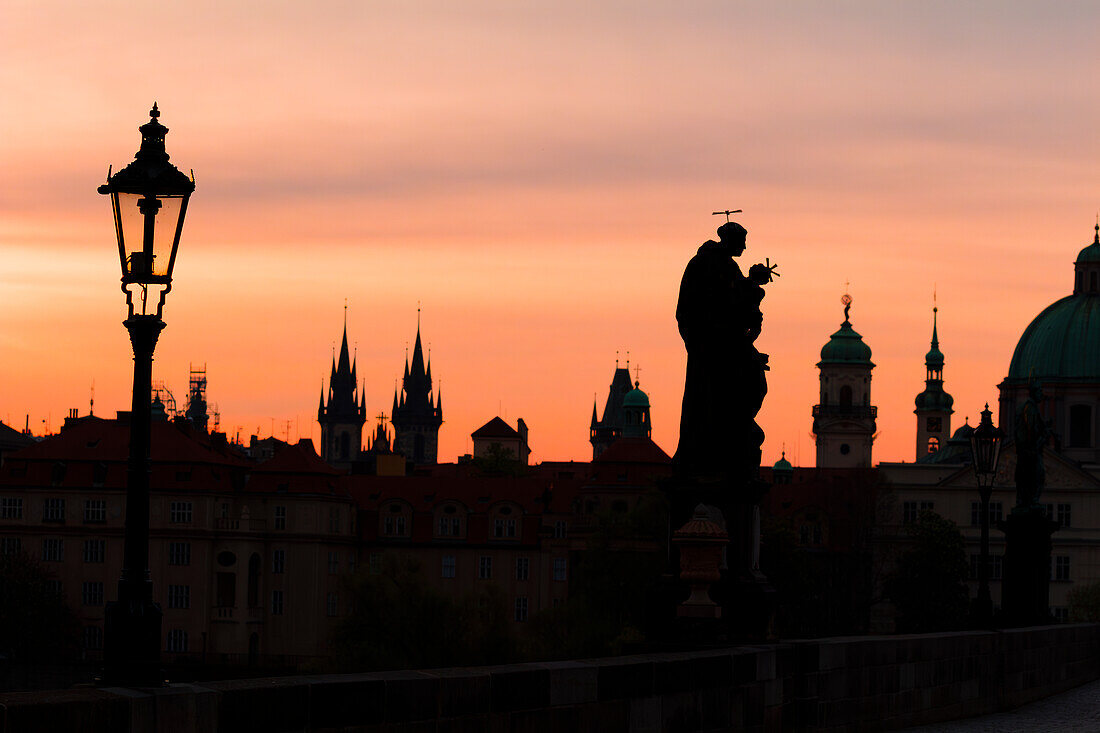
point(396, 520)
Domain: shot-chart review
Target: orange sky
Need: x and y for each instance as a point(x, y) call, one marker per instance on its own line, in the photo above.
point(537, 175)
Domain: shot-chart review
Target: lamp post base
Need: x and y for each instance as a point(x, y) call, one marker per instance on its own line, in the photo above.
point(132, 639)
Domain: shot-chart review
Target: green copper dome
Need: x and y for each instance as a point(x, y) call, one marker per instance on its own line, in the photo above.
point(1062, 343)
point(846, 347)
point(935, 400)
point(636, 398)
point(1092, 252)
point(783, 465)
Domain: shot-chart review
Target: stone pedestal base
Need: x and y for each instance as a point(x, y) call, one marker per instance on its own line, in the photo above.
point(746, 599)
point(1025, 595)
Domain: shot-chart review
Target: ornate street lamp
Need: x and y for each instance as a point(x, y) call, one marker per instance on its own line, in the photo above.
point(149, 198)
point(985, 449)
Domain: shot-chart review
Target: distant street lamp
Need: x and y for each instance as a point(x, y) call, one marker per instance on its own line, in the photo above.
point(149, 198)
point(985, 449)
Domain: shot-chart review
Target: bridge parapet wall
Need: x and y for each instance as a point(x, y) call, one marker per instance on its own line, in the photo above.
point(864, 683)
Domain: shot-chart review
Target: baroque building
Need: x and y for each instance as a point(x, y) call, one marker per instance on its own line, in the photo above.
point(934, 405)
point(844, 420)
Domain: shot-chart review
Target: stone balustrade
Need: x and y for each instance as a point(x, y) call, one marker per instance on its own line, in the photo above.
point(864, 683)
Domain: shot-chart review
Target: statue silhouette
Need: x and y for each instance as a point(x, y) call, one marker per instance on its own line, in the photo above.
point(1031, 434)
point(719, 318)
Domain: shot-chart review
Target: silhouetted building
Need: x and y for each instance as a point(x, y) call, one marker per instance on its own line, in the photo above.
point(603, 432)
point(416, 418)
point(497, 439)
point(343, 416)
point(844, 421)
point(636, 423)
point(934, 405)
point(196, 400)
point(379, 458)
point(1061, 351)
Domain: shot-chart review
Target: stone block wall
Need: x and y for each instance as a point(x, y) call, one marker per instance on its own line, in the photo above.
point(853, 683)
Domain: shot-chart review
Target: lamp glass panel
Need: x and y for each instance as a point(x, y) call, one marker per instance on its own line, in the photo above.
point(148, 233)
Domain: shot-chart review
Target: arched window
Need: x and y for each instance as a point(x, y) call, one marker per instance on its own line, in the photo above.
point(396, 520)
point(933, 445)
point(1080, 426)
point(846, 396)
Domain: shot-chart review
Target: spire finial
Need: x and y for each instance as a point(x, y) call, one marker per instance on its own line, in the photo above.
point(154, 112)
point(1096, 236)
point(616, 358)
point(846, 299)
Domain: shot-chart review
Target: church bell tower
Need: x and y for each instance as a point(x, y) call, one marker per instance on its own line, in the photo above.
point(343, 416)
point(934, 405)
point(416, 416)
point(844, 421)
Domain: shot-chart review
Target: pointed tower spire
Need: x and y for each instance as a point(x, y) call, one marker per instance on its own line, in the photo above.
point(321, 402)
point(394, 410)
point(595, 419)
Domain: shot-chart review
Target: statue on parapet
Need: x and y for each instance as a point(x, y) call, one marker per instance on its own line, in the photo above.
point(719, 318)
point(1031, 434)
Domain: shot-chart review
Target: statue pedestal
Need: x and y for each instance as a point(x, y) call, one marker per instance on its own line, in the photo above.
point(744, 599)
point(1025, 589)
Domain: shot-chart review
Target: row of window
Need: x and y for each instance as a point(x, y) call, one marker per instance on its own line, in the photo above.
point(53, 510)
point(95, 511)
point(1060, 513)
point(559, 567)
point(395, 524)
point(1059, 567)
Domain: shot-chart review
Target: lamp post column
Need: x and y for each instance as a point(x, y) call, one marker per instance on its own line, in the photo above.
point(133, 623)
point(983, 605)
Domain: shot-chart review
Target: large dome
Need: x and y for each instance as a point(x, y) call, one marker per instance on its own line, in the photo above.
point(846, 347)
point(1062, 343)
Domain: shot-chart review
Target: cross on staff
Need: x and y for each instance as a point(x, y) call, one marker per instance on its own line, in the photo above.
point(727, 212)
point(382, 417)
point(637, 369)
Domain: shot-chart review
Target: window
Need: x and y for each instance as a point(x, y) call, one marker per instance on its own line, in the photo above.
point(179, 596)
point(448, 566)
point(845, 449)
point(996, 566)
point(374, 563)
point(1061, 567)
point(278, 561)
point(93, 638)
point(804, 534)
point(523, 568)
point(1080, 426)
point(394, 523)
point(280, 517)
point(330, 604)
point(179, 553)
point(909, 512)
point(53, 550)
point(54, 587)
point(450, 526)
point(996, 513)
point(351, 562)
point(560, 566)
point(521, 608)
point(933, 445)
point(1061, 614)
point(819, 539)
point(504, 528)
point(561, 529)
point(1063, 515)
point(333, 563)
point(927, 506)
point(53, 510)
point(484, 567)
point(177, 641)
point(933, 424)
point(91, 593)
point(10, 546)
point(11, 508)
point(334, 520)
point(95, 550)
point(95, 511)
point(276, 603)
point(846, 396)
point(179, 512)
